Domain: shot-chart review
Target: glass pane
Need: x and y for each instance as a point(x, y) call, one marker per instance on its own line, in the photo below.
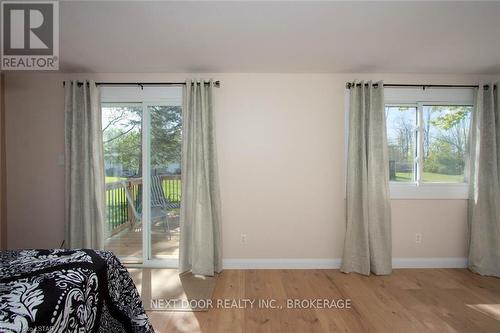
point(122, 162)
point(401, 137)
point(446, 130)
point(166, 144)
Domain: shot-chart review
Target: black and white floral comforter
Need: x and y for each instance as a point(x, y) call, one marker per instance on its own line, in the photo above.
point(68, 291)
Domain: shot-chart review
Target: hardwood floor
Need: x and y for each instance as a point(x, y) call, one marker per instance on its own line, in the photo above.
point(410, 300)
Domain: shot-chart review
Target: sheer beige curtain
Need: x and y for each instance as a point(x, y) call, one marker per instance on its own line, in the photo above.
point(84, 166)
point(200, 242)
point(367, 245)
point(484, 182)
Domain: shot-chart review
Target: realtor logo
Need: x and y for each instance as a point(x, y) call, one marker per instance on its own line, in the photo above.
point(30, 35)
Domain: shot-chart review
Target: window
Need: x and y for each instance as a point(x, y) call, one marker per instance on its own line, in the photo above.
point(401, 140)
point(445, 138)
point(427, 137)
point(427, 143)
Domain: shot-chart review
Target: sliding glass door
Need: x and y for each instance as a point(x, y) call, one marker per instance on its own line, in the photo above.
point(142, 153)
point(122, 142)
point(165, 171)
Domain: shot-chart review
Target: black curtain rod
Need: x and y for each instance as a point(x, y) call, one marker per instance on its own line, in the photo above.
point(349, 85)
point(142, 84)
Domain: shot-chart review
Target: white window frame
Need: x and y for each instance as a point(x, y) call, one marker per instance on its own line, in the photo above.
point(418, 97)
point(145, 97)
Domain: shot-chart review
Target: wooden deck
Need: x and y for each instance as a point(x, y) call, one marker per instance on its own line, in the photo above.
point(127, 244)
point(125, 238)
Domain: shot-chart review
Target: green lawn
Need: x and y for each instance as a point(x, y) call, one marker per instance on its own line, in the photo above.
point(171, 188)
point(430, 177)
point(117, 203)
point(110, 179)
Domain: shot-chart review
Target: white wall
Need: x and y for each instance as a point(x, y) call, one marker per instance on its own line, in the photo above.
point(3, 202)
point(281, 157)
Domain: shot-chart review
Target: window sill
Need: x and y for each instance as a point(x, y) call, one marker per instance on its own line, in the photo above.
point(429, 191)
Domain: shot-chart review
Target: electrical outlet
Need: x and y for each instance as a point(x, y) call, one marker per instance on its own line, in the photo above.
point(418, 238)
point(243, 238)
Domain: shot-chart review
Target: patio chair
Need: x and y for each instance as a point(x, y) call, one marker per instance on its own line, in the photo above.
point(160, 205)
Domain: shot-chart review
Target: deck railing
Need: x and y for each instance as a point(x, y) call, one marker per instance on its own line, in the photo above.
point(119, 213)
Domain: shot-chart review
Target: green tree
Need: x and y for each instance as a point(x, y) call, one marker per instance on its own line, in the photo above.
point(122, 136)
point(123, 149)
point(166, 135)
point(447, 139)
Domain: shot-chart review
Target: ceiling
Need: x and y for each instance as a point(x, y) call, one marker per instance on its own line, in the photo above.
point(257, 36)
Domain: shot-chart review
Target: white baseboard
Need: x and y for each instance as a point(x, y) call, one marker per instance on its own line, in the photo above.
point(281, 263)
point(429, 262)
point(335, 263)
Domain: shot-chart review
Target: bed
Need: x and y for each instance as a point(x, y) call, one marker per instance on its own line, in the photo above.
point(68, 291)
